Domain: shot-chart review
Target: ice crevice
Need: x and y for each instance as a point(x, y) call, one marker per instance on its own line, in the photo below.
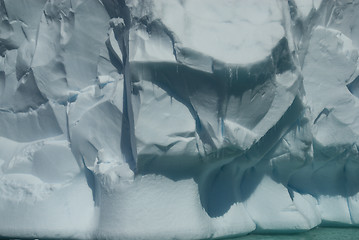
point(177, 119)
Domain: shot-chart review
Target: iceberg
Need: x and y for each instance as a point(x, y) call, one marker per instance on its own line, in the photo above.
point(177, 119)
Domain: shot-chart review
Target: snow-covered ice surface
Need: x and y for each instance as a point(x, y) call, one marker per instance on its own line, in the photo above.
point(177, 119)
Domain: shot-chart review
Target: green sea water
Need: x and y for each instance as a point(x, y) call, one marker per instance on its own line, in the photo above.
point(321, 233)
point(314, 234)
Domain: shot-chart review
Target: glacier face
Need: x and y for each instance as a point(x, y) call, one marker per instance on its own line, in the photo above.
point(186, 119)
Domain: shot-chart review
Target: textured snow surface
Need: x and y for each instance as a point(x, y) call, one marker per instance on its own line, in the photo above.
point(177, 119)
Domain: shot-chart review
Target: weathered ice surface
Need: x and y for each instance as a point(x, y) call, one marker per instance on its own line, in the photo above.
point(177, 119)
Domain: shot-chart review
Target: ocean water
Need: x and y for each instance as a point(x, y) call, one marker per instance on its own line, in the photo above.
point(321, 233)
point(314, 234)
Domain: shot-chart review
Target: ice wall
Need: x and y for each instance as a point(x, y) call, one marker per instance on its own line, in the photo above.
point(177, 119)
